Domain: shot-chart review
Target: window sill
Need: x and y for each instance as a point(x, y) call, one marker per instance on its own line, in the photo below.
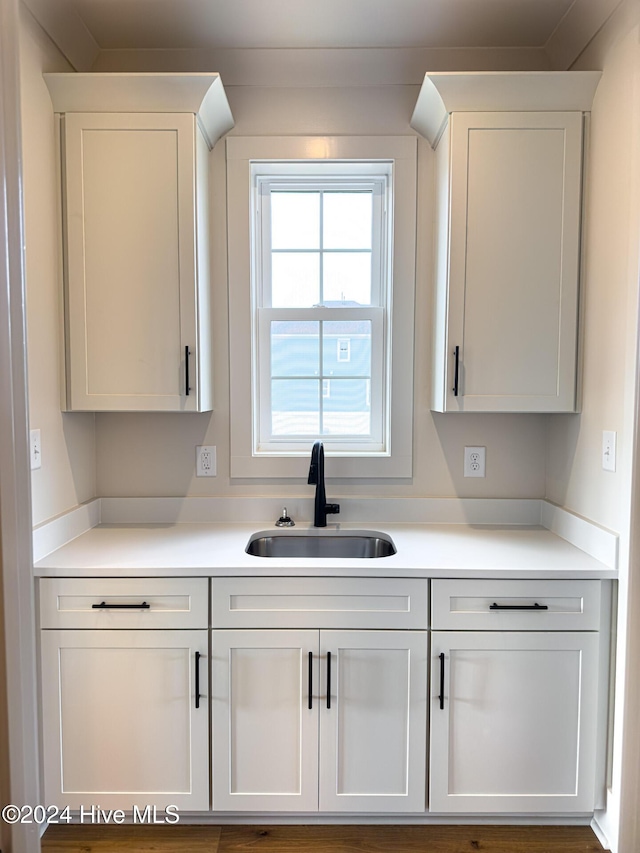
point(340, 466)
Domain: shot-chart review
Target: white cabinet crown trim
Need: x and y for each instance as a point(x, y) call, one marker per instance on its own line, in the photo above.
point(200, 94)
point(497, 91)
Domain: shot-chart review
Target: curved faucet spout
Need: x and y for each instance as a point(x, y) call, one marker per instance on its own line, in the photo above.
point(316, 478)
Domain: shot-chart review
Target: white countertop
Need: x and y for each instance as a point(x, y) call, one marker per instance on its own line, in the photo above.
point(423, 550)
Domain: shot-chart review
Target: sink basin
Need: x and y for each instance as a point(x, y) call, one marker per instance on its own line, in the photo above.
point(347, 545)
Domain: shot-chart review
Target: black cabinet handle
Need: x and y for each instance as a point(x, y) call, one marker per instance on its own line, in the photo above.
point(535, 606)
point(441, 696)
point(187, 387)
point(456, 370)
point(328, 681)
point(310, 687)
point(198, 679)
point(106, 606)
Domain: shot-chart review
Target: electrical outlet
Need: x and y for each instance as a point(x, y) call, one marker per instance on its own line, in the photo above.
point(608, 450)
point(474, 461)
point(205, 461)
point(36, 449)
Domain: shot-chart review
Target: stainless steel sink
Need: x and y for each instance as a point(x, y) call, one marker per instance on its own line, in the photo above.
point(348, 545)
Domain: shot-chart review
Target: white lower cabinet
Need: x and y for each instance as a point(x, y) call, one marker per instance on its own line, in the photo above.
point(125, 716)
point(319, 695)
point(514, 713)
point(328, 720)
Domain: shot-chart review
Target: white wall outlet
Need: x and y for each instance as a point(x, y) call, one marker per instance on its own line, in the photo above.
point(609, 450)
point(474, 461)
point(36, 449)
point(206, 461)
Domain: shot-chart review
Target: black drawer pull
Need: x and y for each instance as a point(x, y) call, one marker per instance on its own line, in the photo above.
point(105, 606)
point(310, 686)
point(328, 681)
point(198, 679)
point(535, 606)
point(186, 372)
point(441, 696)
point(456, 370)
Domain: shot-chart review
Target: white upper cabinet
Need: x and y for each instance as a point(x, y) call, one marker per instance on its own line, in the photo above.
point(509, 160)
point(134, 174)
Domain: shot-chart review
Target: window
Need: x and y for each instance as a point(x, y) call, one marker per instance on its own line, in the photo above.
point(321, 264)
point(321, 292)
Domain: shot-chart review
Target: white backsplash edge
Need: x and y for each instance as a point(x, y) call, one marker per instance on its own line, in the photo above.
point(53, 534)
point(365, 510)
point(599, 542)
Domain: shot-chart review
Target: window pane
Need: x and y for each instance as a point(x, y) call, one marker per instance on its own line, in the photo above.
point(346, 348)
point(347, 220)
point(295, 406)
point(347, 277)
point(295, 279)
point(295, 348)
point(295, 220)
point(347, 409)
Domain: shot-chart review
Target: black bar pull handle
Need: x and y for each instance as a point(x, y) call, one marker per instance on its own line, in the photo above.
point(328, 681)
point(535, 606)
point(104, 605)
point(441, 696)
point(456, 370)
point(310, 687)
point(187, 385)
point(198, 656)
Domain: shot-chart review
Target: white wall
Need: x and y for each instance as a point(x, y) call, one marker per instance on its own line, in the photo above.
point(67, 476)
point(155, 454)
point(575, 478)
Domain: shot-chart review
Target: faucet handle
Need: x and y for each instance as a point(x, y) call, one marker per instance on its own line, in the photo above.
point(332, 509)
point(285, 520)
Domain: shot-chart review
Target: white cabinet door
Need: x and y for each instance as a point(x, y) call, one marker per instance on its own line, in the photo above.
point(135, 196)
point(265, 720)
point(373, 721)
point(122, 723)
point(508, 249)
point(513, 722)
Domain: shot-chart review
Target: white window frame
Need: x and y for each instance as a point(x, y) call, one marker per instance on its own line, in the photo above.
point(395, 459)
point(321, 177)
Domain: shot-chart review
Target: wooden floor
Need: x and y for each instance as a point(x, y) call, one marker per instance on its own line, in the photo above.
point(320, 839)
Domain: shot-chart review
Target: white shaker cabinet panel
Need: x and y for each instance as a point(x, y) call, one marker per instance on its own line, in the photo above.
point(134, 281)
point(125, 718)
point(265, 720)
point(513, 722)
point(507, 248)
point(373, 721)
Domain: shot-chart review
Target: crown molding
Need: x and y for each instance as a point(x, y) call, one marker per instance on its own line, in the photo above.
point(445, 92)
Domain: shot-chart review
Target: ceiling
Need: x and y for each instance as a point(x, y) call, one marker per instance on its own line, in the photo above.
point(224, 24)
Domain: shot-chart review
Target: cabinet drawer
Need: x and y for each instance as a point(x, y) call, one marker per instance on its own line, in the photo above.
point(319, 603)
point(124, 603)
point(511, 605)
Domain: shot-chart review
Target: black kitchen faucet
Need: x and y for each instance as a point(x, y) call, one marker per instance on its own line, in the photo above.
point(321, 509)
